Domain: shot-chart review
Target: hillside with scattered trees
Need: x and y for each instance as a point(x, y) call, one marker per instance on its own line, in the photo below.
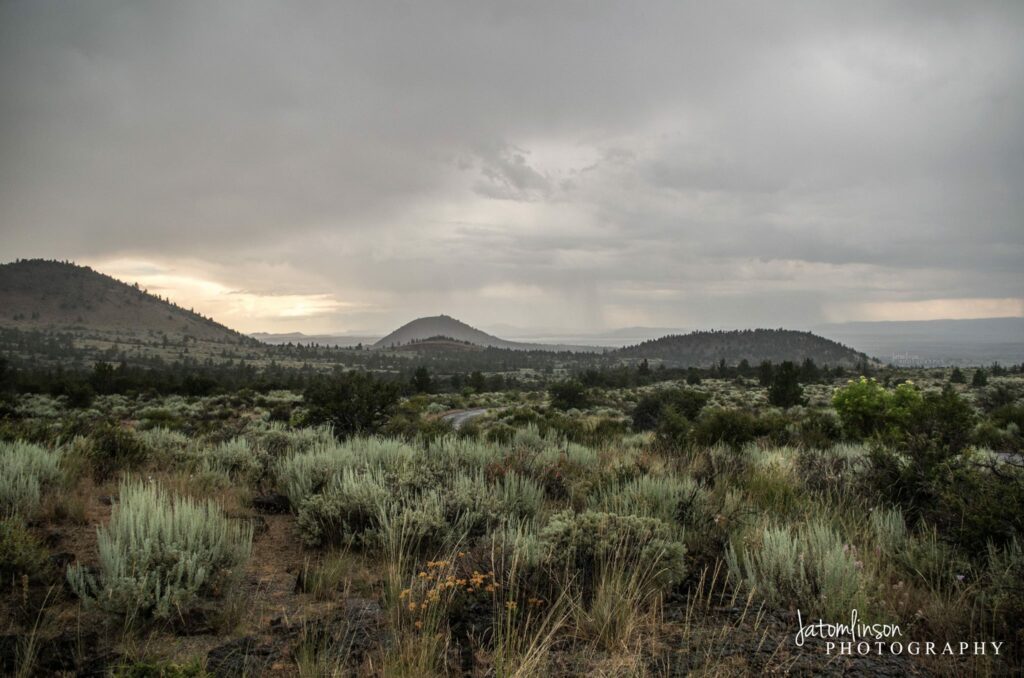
point(37, 294)
point(754, 346)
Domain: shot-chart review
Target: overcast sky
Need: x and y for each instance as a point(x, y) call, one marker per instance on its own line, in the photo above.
point(346, 166)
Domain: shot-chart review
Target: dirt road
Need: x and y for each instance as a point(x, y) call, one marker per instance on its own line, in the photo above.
point(460, 417)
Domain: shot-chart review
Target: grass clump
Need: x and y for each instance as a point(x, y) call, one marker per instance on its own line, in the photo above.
point(345, 511)
point(161, 554)
point(26, 470)
point(668, 498)
point(578, 545)
point(809, 567)
point(20, 552)
point(233, 458)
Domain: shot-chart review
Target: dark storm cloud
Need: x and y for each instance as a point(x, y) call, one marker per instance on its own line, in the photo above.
point(655, 163)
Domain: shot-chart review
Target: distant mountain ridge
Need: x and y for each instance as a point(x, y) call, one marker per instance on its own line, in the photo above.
point(704, 348)
point(39, 294)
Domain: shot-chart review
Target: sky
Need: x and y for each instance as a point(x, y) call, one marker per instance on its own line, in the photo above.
point(572, 166)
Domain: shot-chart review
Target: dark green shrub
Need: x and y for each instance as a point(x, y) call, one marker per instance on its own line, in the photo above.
point(674, 429)
point(502, 434)
point(939, 425)
point(731, 427)
point(976, 504)
point(1005, 415)
point(113, 448)
point(567, 395)
point(818, 428)
point(681, 401)
point(351, 402)
point(998, 395)
point(927, 469)
point(281, 412)
point(20, 552)
point(989, 436)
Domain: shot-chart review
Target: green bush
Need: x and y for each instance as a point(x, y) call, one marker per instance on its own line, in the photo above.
point(349, 510)
point(866, 408)
point(26, 470)
point(685, 402)
point(568, 395)
point(673, 432)
point(928, 471)
point(351, 402)
point(113, 449)
point(818, 429)
point(166, 445)
point(1008, 415)
point(20, 552)
point(160, 554)
point(939, 426)
point(973, 503)
point(580, 546)
point(729, 427)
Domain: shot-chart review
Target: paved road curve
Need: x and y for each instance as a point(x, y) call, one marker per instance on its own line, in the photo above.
point(459, 418)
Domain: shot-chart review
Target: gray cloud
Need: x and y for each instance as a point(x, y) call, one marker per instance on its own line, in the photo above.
point(531, 163)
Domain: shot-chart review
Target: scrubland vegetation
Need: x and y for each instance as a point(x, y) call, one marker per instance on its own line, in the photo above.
point(610, 523)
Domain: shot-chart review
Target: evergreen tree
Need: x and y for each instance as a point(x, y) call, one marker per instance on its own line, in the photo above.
point(421, 381)
point(785, 389)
